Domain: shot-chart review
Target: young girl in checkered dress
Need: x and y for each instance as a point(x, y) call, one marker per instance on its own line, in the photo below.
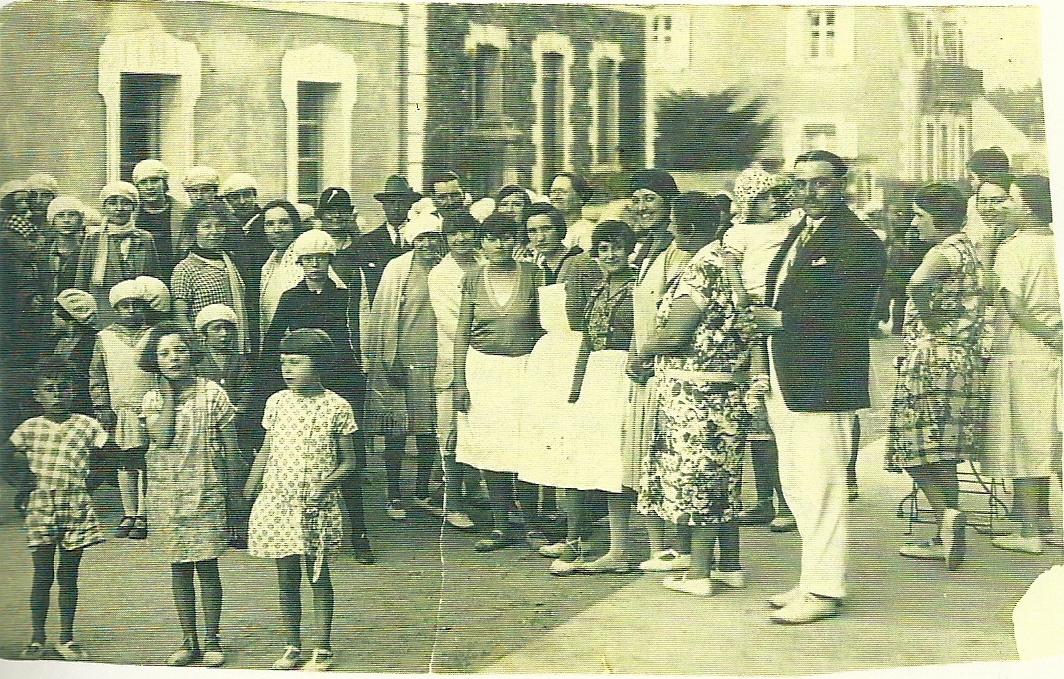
point(307, 452)
point(55, 447)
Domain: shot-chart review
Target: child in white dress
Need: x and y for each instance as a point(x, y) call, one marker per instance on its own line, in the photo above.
point(296, 518)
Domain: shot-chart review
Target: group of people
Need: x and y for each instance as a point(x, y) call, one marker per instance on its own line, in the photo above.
point(232, 363)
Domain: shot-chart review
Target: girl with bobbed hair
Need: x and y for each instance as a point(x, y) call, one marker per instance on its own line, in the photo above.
point(936, 414)
point(1024, 423)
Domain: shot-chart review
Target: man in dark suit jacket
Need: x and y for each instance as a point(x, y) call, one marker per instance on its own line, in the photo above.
point(821, 289)
point(381, 245)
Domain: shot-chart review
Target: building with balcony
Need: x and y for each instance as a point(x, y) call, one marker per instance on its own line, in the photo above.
point(885, 87)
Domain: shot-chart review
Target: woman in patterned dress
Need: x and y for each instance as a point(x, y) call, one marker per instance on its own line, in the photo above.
point(190, 426)
point(701, 351)
point(936, 415)
point(307, 452)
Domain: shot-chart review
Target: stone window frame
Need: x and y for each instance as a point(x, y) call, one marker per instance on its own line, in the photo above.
point(600, 51)
point(323, 64)
point(148, 52)
point(556, 43)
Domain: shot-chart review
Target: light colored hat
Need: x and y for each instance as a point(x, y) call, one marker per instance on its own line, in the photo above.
point(13, 186)
point(305, 211)
point(537, 197)
point(238, 181)
point(422, 223)
point(313, 242)
point(155, 292)
point(43, 182)
point(79, 304)
point(65, 204)
point(482, 208)
point(150, 168)
point(200, 175)
point(212, 313)
point(751, 183)
point(127, 289)
point(423, 205)
point(124, 189)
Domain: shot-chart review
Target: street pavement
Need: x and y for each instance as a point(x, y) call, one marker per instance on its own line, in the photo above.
point(432, 604)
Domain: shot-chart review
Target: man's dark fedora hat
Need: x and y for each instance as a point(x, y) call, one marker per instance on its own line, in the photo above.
point(397, 186)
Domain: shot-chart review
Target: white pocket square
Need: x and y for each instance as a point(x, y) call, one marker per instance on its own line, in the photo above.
point(819, 262)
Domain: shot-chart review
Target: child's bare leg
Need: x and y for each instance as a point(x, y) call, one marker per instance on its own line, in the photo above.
point(289, 575)
point(67, 575)
point(323, 603)
point(40, 591)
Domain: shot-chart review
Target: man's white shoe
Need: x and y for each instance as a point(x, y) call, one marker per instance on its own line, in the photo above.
point(784, 598)
point(805, 609)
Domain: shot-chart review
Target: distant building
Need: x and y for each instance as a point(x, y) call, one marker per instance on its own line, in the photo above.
point(519, 92)
point(991, 128)
point(885, 87)
point(277, 89)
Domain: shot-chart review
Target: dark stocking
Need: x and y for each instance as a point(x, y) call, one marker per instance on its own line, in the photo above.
point(67, 575)
point(426, 460)
point(289, 575)
point(210, 595)
point(501, 496)
point(182, 583)
point(728, 540)
point(43, 575)
point(393, 463)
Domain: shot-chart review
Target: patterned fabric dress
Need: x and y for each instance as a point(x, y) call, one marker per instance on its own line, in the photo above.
point(187, 481)
point(695, 465)
point(938, 406)
point(304, 432)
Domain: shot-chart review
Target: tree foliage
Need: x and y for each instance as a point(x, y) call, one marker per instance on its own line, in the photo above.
point(719, 131)
point(1023, 108)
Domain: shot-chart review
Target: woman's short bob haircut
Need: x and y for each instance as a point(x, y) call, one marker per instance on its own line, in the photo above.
point(149, 358)
point(945, 204)
point(1035, 191)
point(500, 226)
point(612, 231)
point(696, 211)
point(293, 215)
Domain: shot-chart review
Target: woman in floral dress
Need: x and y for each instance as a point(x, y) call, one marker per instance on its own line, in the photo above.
point(936, 414)
point(190, 424)
point(701, 351)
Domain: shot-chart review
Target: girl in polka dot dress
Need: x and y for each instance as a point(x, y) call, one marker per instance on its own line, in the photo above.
point(296, 518)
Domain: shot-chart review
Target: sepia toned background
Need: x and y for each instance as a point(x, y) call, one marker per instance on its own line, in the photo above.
point(309, 95)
